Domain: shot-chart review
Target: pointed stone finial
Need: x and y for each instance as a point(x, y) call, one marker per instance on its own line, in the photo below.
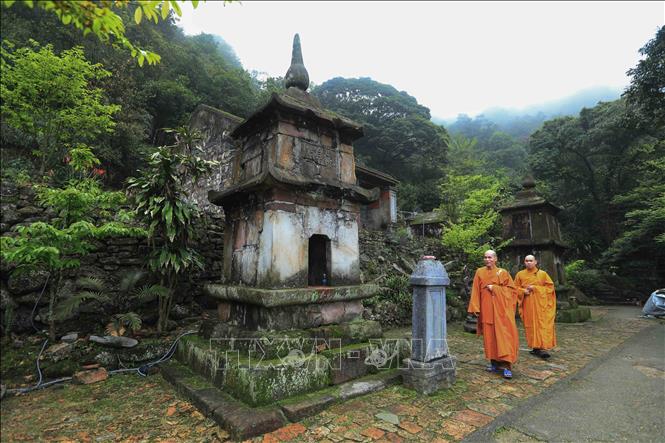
point(528, 182)
point(297, 75)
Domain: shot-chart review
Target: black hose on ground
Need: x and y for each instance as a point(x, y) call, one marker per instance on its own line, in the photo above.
point(141, 370)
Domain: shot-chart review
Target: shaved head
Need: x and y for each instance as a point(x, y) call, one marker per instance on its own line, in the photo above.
point(489, 257)
point(530, 262)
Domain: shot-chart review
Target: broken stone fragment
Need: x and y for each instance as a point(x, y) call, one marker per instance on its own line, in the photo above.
point(88, 377)
point(70, 337)
point(59, 350)
point(115, 342)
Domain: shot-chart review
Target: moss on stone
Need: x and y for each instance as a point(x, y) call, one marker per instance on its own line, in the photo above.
point(268, 381)
point(574, 315)
point(335, 352)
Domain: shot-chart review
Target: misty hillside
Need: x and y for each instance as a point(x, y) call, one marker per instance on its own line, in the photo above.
point(522, 122)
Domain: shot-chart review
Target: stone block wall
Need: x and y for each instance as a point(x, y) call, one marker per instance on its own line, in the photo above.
point(110, 261)
point(215, 127)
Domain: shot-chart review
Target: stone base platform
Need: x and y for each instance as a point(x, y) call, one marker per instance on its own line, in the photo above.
point(573, 315)
point(427, 378)
point(260, 368)
point(285, 309)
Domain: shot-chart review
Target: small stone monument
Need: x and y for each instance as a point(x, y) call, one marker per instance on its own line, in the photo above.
point(430, 367)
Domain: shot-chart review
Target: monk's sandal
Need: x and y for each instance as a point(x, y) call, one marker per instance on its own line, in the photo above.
point(507, 374)
point(492, 368)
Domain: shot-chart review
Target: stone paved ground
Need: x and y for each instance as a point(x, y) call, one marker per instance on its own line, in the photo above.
point(397, 414)
point(131, 408)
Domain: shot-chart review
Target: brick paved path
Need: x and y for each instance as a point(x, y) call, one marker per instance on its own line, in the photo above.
point(397, 414)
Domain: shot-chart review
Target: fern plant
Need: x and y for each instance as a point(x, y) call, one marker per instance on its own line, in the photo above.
point(93, 290)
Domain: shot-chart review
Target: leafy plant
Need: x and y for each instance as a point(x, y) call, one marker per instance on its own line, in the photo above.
point(93, 290)
point(161, 202)
point(582, 276)
point(100, 18)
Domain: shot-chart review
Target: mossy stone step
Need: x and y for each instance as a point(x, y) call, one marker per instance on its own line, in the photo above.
point(357, 360)
point(255, 380)
point(298, 408)
point(259, 381)
point(243, 421)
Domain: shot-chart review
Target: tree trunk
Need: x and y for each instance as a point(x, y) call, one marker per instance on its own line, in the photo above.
point(53, 294)
point(165, 305)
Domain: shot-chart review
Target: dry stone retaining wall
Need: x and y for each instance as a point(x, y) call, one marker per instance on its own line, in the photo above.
point(111, 260)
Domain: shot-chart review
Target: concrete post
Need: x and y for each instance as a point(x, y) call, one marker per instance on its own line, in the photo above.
point(430, 367)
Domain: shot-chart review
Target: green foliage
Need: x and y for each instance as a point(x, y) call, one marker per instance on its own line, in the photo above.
point(121, 322)
point(50, 99)
point(17, 171)
point(82, 159)
point(193, 70)
point(66, 307)
point(82, 200)
point(586, 279)
point(100, 18)
point(470, 204)
point(641, 241)
point(647, 87)
point(479, 141)
point(396, 289)
point(161, 202)
point(588, 162)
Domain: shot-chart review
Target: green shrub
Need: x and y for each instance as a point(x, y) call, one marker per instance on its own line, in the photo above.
point(584, 278)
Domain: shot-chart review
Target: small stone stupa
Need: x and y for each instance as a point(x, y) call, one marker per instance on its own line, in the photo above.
point(531, 221)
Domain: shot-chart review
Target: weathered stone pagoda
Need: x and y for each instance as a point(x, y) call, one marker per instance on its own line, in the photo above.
point(291, 257)
point(289, 338)
point(531, 221)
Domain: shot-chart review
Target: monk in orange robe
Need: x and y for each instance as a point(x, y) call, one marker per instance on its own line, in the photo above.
point(493, 300)
point(537, 307)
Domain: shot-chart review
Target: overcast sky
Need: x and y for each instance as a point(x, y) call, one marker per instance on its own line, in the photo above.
point(452, 57)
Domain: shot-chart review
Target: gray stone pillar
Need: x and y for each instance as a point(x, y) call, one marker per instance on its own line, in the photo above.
point(430, 367)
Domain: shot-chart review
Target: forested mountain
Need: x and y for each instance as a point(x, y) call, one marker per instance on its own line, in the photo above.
point(399, 136)
point(520, 123)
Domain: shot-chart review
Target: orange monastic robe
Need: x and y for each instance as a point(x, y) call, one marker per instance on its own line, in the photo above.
point(496, 322)
point(537, 309)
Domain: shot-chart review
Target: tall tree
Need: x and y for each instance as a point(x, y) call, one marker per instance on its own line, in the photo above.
point(399, 136)
point(647, 87)
point(161, 195)
point(52, 100)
